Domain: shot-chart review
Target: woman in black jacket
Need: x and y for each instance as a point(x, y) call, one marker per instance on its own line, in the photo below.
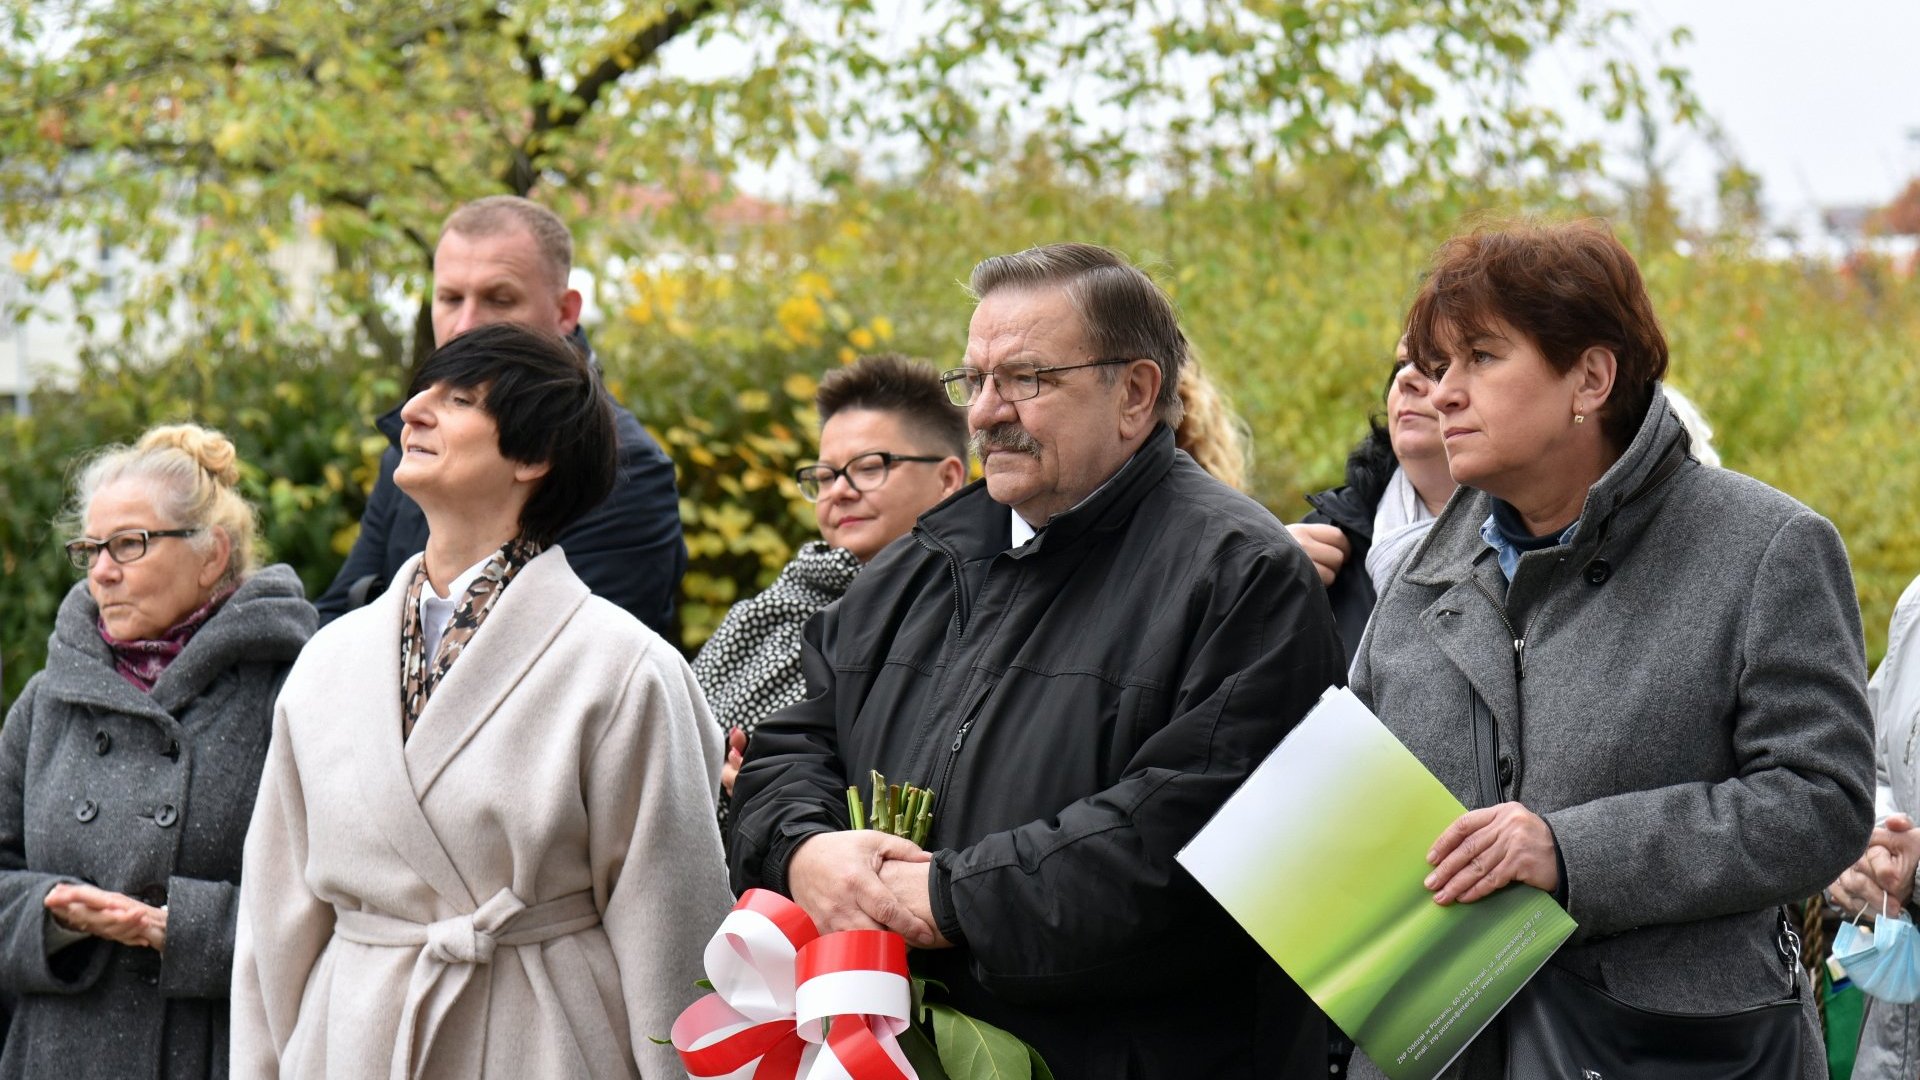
point(1397, 483)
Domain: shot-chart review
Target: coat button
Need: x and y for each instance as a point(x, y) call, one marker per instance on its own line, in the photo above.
point(172, 752)
point(1505, 770)
point(87, 811)
point(1598, 571)
point(102, 742)
point(166, 816)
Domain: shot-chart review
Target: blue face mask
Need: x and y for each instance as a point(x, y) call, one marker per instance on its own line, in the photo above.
point(1883, 961)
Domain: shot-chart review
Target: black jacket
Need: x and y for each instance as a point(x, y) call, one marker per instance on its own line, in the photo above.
point(1081, 706)
point(1351, 508)
point(627, 549)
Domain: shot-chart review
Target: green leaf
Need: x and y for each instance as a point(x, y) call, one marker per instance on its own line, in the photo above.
point(971, 1050)
point(1040, 1070)
point(921, 1055)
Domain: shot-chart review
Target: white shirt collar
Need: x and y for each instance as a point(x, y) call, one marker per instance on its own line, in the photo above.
point(1021, 532)
point(435, 612)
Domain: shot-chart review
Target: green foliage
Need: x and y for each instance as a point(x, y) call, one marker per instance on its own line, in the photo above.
point(210, 140)
point(1292, 290)
point(972, 1050)
point(1284, 169)
point(1810, 379)
point(299, 420)
point(723, 366)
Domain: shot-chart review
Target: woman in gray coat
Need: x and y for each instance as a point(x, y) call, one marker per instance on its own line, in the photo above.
point(128, 769)
point(1645, 676)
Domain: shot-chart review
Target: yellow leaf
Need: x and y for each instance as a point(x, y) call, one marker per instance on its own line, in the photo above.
point(800, 386)
point(754, 400)
point(814, 283)
point(229, 137)
point(861, 337)
point(24, 259)
point(883, 327)
point(801, 317)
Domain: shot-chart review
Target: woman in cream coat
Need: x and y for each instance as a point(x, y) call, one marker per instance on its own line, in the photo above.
point(485, 841)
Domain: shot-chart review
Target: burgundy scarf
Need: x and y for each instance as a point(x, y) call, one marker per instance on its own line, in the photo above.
point(142, 662)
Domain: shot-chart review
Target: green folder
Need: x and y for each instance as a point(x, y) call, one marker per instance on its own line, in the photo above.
point(1321, 855)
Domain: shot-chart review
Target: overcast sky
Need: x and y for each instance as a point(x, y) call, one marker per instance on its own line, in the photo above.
point(1822, 100)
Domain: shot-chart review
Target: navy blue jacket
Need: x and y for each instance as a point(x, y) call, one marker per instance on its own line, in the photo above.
point(627, 549)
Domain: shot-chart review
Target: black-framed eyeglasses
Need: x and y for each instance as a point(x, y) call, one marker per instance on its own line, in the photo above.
point(125, 546)
point(863, 473)
point(1016, 381)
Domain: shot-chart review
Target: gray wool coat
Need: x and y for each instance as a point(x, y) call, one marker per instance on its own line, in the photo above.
point(147, 794)
point(1689, 714)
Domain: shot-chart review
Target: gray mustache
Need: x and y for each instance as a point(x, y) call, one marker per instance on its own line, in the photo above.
point(1008, 437)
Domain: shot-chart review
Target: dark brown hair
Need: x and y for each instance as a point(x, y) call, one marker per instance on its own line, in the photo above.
point(1124, 313)
point(1567, 287)
point(909, 389)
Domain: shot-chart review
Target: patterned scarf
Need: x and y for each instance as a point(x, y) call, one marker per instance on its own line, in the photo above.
point(418, 678)
point(141, 662)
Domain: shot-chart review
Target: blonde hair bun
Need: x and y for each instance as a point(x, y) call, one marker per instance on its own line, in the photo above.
point(212, 450)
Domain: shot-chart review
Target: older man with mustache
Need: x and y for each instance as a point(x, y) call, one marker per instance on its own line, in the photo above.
point(1083, 654)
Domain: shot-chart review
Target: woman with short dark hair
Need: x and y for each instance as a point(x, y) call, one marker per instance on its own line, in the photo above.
point(891, 448)
point(1645, 676)
point(129, 764)
point(485, 844)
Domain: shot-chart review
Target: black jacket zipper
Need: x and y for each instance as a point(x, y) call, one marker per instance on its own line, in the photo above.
point(1519, 639)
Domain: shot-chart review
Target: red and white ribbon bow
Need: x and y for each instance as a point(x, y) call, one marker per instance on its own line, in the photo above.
point(778, 982)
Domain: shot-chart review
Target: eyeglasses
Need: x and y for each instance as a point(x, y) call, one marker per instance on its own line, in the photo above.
point(1013, 382)
point(128, 545)
point(864, 473)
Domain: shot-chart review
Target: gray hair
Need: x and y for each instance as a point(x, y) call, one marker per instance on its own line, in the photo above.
point(1124, 313)
point(497, 214)
point(190, 474)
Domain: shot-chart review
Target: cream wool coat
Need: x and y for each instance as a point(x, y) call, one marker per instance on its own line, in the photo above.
point(567, 763)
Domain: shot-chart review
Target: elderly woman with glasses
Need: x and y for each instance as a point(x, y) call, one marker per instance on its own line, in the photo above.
point(484, 844)
point(128, 768)
point(891, 448)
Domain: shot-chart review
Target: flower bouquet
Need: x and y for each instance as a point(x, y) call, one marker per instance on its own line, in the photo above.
point(790, 1003)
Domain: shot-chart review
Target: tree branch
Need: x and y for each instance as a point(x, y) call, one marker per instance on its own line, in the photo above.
point(522, 172)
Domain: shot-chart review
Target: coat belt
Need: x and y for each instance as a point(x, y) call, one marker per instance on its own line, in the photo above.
point(450, 949)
